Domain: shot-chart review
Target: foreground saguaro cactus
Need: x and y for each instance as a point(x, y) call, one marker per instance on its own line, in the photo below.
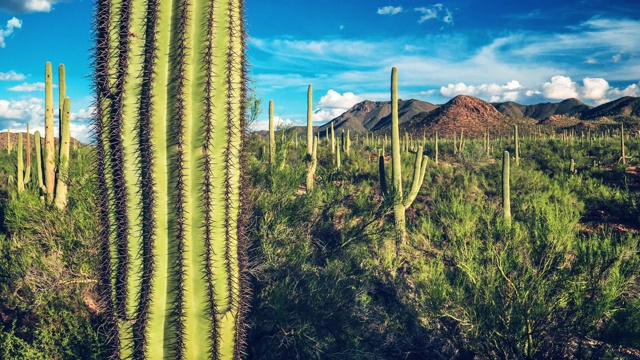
point(400, 203)
point(170, 85)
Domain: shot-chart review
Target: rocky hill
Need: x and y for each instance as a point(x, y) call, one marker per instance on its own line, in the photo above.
point(473, 115)
point(569, 107)
point(624, 109)
point(376, 115)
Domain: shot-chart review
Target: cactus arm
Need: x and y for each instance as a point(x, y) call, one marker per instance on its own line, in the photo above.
point(419, 170)
point(62, 176)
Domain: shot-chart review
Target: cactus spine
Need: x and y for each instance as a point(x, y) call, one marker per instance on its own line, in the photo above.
point(20, 179)
point(170, 88)
point(506, 190)
point(27, 171)
point(62, 176)
point(49, 145)
point(400, 204)
point(272, 135)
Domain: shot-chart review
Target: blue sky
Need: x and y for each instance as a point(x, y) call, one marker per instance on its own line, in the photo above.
point(527, 52)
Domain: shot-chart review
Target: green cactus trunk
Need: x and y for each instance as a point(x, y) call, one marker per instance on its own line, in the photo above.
point(347, 145)
point(436, 148)
point(272, 136)
point(170, 89)
point(506, 189)
point(517, 145)
point(38, 142)
point(333, 140)
point(338, 160)
point(624, 158)
point(62, 176)
point(309, 121)
point(19, 178)
point(27, 170)
point(313, 164)
point(49, 144)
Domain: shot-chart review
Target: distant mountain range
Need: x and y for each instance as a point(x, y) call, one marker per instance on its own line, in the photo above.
point(476, 116)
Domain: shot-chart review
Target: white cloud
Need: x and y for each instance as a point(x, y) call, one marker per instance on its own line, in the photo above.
point(335, 100)
point(493, 92)
point(560, 88)
point(29, 110)
point(631, 90)
point(389, 10)
point(27, 87)
point(26, 6)
point(616, 58)
point(11, 76)
point(594, 89)
point(83, 114)
point(591, 61)
point(334, 104)
point(437, 11)
point(324, 115)
point(13, 23)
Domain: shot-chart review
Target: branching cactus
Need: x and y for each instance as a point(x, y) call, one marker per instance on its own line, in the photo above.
point(169, 78)
point(401, 203)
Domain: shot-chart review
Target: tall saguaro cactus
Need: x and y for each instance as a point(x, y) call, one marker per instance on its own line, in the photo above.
point(27, 171)
point(309, 121)
point(506, 189)
point(170, 88)
point(49, 145)
point(20, 174)
point(272, 136)
point(400, 203)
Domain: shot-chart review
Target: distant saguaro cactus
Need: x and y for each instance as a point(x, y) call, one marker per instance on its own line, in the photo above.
point(506, 189)
point(20, 174)
point(309, 121)
point(49, 145)
point(272, 136)
point(62, 174)
point(27, 171)
point(170, 84)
